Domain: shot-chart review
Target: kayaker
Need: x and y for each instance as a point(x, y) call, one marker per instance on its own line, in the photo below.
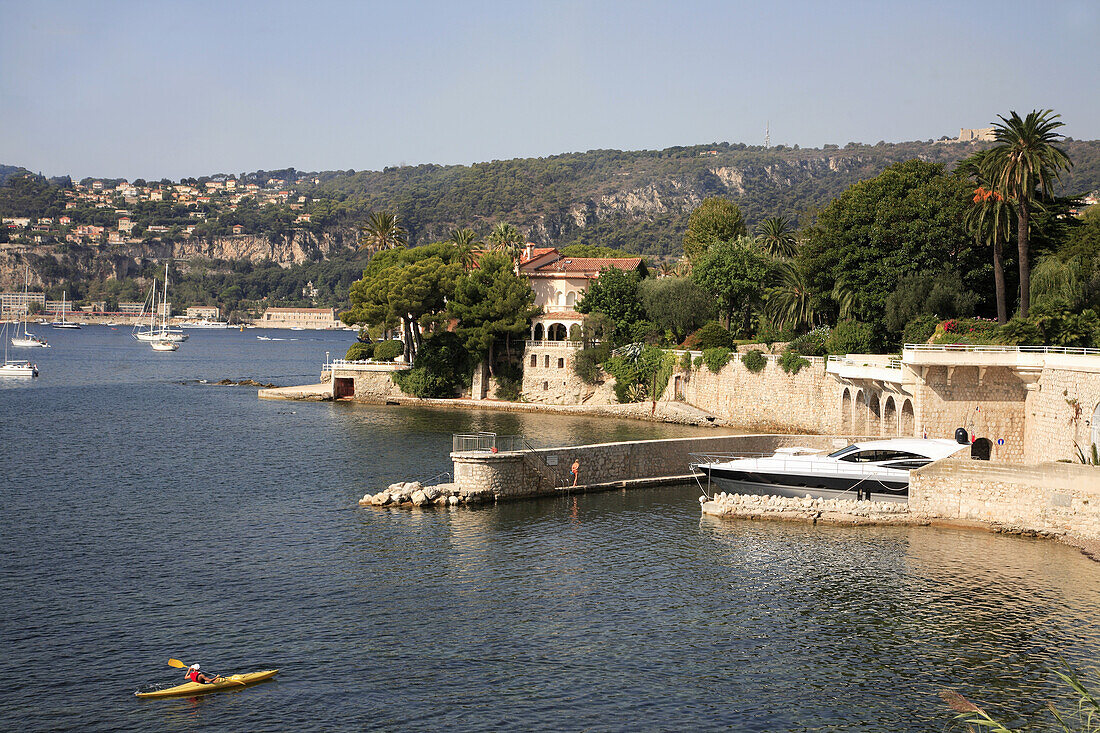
point(195, 675)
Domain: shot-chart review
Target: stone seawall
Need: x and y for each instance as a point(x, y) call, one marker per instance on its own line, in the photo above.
point(1060, 498)
point(517, 474)
point(767, 400)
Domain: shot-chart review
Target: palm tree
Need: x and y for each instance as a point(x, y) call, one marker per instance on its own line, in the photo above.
point(667, 269)
point(382, 231)
point(776, 236)
point(989, 219)
point(790, 301)
point(506, 238)
point(1024, 166)
point(467, 243)
point(846, 297)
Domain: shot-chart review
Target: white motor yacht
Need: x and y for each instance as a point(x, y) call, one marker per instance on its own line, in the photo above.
point(877, 469)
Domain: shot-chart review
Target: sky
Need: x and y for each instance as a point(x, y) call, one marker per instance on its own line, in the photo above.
point(173, 89)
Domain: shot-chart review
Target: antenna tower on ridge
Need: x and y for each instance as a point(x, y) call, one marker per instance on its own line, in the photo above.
point(767, 135)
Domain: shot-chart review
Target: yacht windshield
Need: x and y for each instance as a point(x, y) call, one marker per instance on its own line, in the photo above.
point(843, 451)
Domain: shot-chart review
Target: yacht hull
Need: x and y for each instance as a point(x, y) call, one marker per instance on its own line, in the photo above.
point(798, 487)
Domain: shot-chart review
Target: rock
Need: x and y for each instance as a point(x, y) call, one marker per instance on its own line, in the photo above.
point(397, 486)
point(380, 499)
point(419, 498)
point(412, 486)
point(452, 500)
point(366, 500)
point(432, 492)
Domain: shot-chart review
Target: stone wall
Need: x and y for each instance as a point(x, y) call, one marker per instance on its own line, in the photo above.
point(529, 473)
point(549, 378)
point(987, 401)
point(1050, 497)
point(769, 400)
point(1062, 413)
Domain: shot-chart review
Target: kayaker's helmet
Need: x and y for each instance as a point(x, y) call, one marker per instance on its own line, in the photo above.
point(195, 667)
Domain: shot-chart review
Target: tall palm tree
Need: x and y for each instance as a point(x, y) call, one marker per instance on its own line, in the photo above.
point(467, 242)
point(776, 236)
point(790, 301)
point(989, 219)
point(846, 298)
point(1024, 166)
point(382, 230)
point(506, 238)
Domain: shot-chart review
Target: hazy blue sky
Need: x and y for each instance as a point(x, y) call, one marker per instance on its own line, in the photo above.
point(168, 89)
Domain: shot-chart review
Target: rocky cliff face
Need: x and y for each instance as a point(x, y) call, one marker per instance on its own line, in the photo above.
point(55, 263)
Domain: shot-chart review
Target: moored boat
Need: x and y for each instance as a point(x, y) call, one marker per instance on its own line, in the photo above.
point(165, 345)
point(222, 684)
point(877, 469)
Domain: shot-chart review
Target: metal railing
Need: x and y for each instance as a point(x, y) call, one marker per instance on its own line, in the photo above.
point(487, 442)
point(891, 363)
point(531, 344)
point(537, 460)
point(1001, 348)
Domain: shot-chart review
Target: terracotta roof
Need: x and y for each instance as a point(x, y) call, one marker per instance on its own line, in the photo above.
point(586, 265)
point(536, 252)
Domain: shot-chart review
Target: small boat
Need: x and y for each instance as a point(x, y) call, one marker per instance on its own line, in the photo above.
point(877, 469)
point(222, 684)
point(64, 323)
point(12, 368)
point(28, 339)
point(165, 345)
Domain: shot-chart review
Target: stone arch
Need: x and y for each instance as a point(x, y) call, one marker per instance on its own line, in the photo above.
point(846, 411)
point(874, 414)
point(540, 332)
point(908, 420)
point(575, 332)
point(571, 298)
point(890, 417)
point(556, 332)
point(859, 413)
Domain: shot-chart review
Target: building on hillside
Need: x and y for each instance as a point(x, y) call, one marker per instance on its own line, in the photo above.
point(314, 318)
point(559, 283)
point(203, 311)
point(17, 304)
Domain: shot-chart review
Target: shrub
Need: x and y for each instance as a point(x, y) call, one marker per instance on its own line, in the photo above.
point(697, 362)
point(919, 330)
point(792, 362)
point(850, 337)
point(651, 369)
point(586, 363)
point(509, 379)
point(1019, 332)
point(811, 343)
point(646, 332)
point(755, 361)
point(716, 358)
point(442, 368)
point(685, 362)
point(359, 351)
point(965, 331)
point(710, 336)
point(388, 350)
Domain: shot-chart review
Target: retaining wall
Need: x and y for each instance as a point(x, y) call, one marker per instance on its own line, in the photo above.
point(1052, 497)
point(526, 473)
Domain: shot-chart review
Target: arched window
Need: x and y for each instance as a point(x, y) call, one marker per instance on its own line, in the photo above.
point(558, 298)
point(539, 331)
point(571, 298)
point(556, 332)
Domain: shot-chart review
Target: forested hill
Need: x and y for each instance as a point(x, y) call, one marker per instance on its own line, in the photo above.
point(635, 200)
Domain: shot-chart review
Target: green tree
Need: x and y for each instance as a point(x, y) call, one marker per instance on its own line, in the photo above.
point(382, 231)
point(714, 220)
point(776, 237)
point(615, 294)
point(1024, 164)
point(989, 219)
point(735, 272)
point(676, 304)
point(405, 288)
point(507, 239)
point(491, 303)
point(790, 301)
point(909, 219)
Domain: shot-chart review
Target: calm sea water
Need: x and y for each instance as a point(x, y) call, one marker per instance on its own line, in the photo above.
point(146, 516)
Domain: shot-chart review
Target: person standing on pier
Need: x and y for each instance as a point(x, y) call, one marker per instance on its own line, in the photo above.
point(575, 469)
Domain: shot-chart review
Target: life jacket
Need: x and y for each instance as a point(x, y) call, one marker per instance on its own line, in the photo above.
point(193, 675)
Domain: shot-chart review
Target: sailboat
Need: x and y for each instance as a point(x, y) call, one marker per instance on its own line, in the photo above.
point(15, 368)
point(27, 339)
point(162, 332)
point(64, 323)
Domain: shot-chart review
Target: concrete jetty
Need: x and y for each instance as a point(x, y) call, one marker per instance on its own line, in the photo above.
point(314, 392)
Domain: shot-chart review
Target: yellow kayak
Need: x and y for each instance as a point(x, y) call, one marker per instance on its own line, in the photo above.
point(233, 682)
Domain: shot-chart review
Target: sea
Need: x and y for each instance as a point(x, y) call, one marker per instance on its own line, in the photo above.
point(149, 514)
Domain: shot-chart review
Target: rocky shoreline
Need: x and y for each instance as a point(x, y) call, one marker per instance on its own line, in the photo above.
point(409, 494)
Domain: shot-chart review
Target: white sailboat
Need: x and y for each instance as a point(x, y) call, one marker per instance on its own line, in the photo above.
point(28, 339)
point(64, 323)
point(161, 332)
point(165, 346)
point(12, 368)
